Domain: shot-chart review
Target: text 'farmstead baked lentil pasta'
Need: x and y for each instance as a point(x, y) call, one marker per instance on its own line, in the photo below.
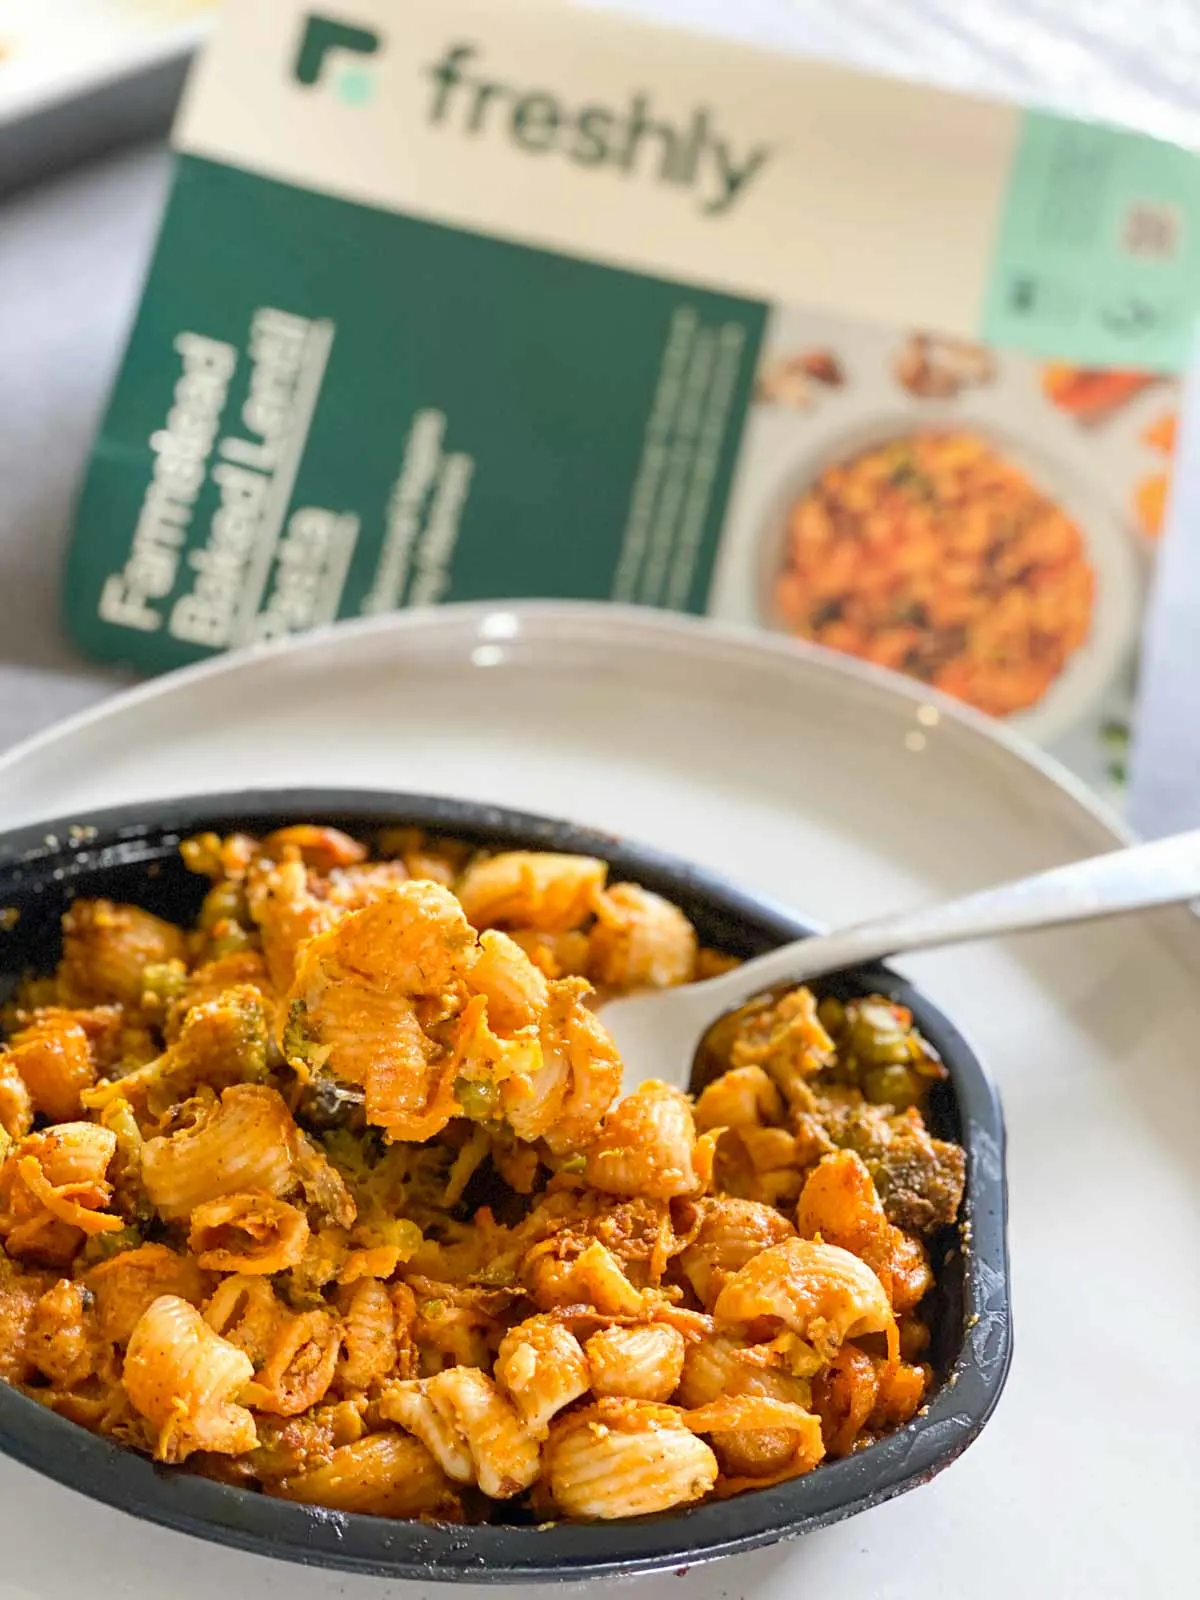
point(333, 1196)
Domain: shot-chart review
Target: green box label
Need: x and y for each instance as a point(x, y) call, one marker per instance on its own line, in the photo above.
point(328, 410)
point(1098, 257)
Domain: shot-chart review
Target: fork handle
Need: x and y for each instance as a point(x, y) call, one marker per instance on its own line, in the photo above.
point(1163, 872)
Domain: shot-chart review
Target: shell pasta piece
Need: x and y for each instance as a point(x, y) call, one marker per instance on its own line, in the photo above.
point(247, 1141)
point(287, 914)
point(251, 1232)
point(743, 1097)
point(594, 1277)
point(126, 1284)
point(315, 846)
point(368, 1334)
point(58, 1341)
point(383, 1475)
point(574, 1078)
point(839, 1204)
point(741, 1419)
point(639, 940)
point(354, 1000)
point(844, 1396)
point(528, 889)
point(16, 1103)
point(515, 991)
point(107, 948)
point(728, 1234)
point(626, 1458)
point(471, 1428)
point(647, 1146)
point(637, 1363)
point(542, 1365)
point(54, 1058)
point(183, 1378)
point(819, 1291)
point(54, 1192)
point(724, 1368)
point(301, 1363)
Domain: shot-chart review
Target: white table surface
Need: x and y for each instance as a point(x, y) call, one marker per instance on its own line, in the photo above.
point(73, 251)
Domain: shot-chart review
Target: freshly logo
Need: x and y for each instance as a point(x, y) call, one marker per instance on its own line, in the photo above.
point(632, 139)
point(332, 51)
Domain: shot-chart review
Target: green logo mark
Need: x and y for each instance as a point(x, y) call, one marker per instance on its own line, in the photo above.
point(323, 53)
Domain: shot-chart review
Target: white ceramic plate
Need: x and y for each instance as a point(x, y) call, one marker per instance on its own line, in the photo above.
point(845, 793)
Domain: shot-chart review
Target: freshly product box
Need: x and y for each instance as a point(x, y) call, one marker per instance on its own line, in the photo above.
point(456, 300)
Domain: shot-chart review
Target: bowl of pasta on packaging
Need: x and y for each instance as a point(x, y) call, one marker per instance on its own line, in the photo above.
point(327, 1232)
point(962, 556)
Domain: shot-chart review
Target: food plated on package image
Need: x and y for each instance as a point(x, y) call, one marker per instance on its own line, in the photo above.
point(976, 519)
point(320, 1186)
point(934, 554)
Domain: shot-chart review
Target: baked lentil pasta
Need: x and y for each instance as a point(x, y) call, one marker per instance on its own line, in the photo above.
point(333, 1196)
point(936, 556)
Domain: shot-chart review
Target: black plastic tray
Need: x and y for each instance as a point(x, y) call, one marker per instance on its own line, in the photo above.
point(131, 853)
